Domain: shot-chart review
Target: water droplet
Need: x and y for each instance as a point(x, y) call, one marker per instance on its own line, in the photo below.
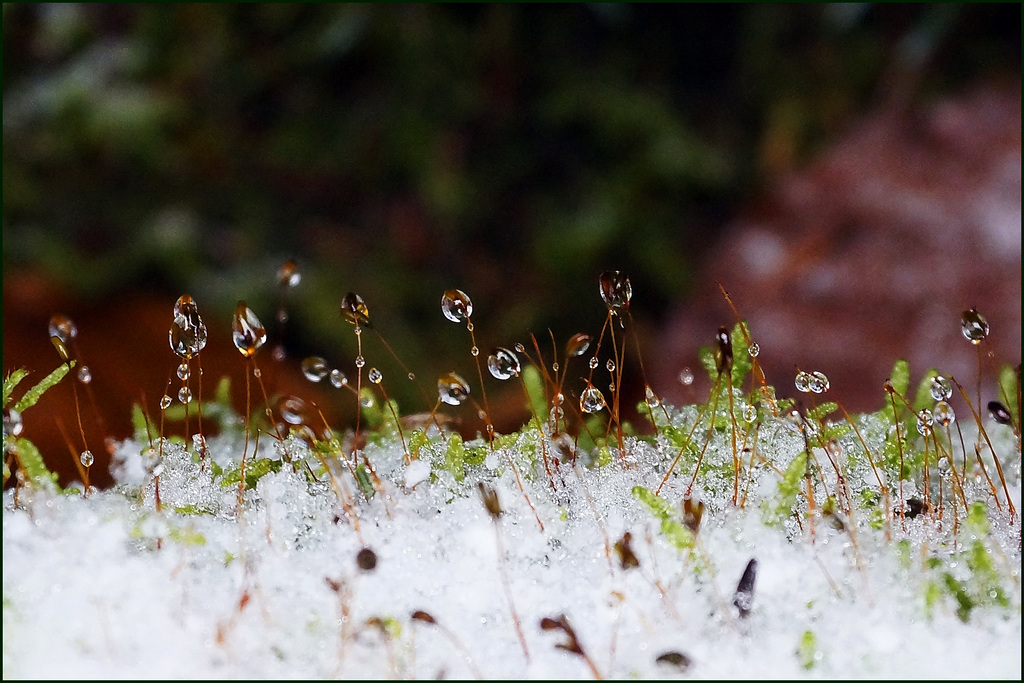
point(974, 326)
point(456, 305)
point(559, 399)
point(375, 375)
point(288, 275)
point(577, 345)
point(944, 465)
point(753, 349)
point(256, 372)
point(354, 310)
point(924, 422)
point(818, 382)
point(610, 364)
point(803, 382)
point(360, 361)
point(199, 443)
point(63, 328)
point(834, 448)
point(555, 414)
point(338, 379)
point(292, 410)
point(651, 398)
point(62, 349)
point(165, 402)
point(13, 425)
point(452, 389)
point(555, 366)
point(187, 334)
point(520, 348)
point(795, 420)
point(940, 388)
point(686, 376)
point(86, 458)
point(366, 401)
point(469, 325)
point(615, 290)
point(474, 351)
point(591, 400)
point(593, 363)
point(84, 374)
point(611, 387)
point(183, 371)
point(184, 395)
point(247, 332)
point(315, 368)
point(503, 364)
point(943, 413)
point(998, 412)
point(750, 414)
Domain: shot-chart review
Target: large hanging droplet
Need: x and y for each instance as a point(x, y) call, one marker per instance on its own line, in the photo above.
point(452, 389)
point(753, 349)
point(577, 344)
point(592, 400)
point(187, 334)
point(247, 332)
point(184, 395)
point(940, 388)
point(165, 402)
point(686, 377)
point(292, 410)
point(338, 379)
point(315, 368)
point(288, 275)
point(375, 375)
point(974, 326)
point(503, 364)
point(354, 310)
point(615, 290)
point(803, 382)
point(84, 374)
point(86, 458)
point(183, 371)
point(943, 414)
point(456, 305)
point(818, 382)
point(924, 422)
point(63, 327)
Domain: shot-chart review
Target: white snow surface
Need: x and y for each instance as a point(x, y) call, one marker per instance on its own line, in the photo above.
point(108, 587)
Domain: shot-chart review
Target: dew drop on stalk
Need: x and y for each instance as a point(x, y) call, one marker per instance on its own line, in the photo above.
point(315, 368)
point(795, 420)
point(651, 398)
point(520, 348)
point(183, 371)
point(593, 363)
point(943, 413)
point(577, 345)
point(615, 290)
point(998, 412)
point(256, 372)
point(610, 365)
point(184, 395)
point(63, 328)
point(818, 382)
point(292, 410)
point(686, 376)
point(247, 332)
point(940, 388)
point(375, 375)
point(354, 310)
point(86, 458)
point(475, 351)
point(555, 366)
point(288, 275)
point(456, 305)
point(13, 425)
point(338, 379)
point(165, 402)
point(187, 334)
point(84, 374)
point(360, 361)
point(503, 364)
point(555, 414)
point(803, 382)
point(750, 414)
point(753, 349)
point(452, 389)
point(366, 401)
point(944, 465)
point(924, 422)
point(591, 400)
point(974, 326)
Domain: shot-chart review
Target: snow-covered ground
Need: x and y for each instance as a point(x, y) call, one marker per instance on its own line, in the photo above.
point(109, 587)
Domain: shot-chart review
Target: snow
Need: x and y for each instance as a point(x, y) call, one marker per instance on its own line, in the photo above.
point(108, 587)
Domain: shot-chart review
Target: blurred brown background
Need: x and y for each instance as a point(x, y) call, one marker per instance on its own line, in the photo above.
point(851, 173)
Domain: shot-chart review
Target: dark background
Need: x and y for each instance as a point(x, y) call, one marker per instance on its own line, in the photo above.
point(512, 151)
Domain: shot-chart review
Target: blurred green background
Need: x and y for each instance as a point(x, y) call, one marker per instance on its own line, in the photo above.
point(512, 151)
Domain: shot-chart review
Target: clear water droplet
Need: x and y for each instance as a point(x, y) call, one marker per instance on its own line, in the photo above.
point(456, 305)
point(474, 351)
point(13, 424)
point(750, 414)
point(593, 363)
point(803, 382)
point(555, 414)
point(86, 458)
point(974, 326)
point(591, 400)
point(411, 376)
point(165, 402)
point(577, 345)
point(63, 328)
point(84, 374)
point(292, 410)
point(187, 334)
point(282, 316)
point(184, 395)
point(469, 325)
point(686, 376)
point(944, 465)
point(555, 366)
point(452, 389)
point(818, 382)
point(288, 275)
point(256, 372)
point(943, 414)
point(753, 349)
point(503, 364)
point(559, 399)
point(183, 371)
point(360, 361)
point(610, 365)
point(924, 422)
point(199, 443)
point(615, 290)
point(375, 375)
point(520, 348)
point(354, 310)
point(940, 388)
point(795, 420)
point(338, 379)
point(247, 332)
point(651, 398)
point(366, 401)
point(315, 368)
